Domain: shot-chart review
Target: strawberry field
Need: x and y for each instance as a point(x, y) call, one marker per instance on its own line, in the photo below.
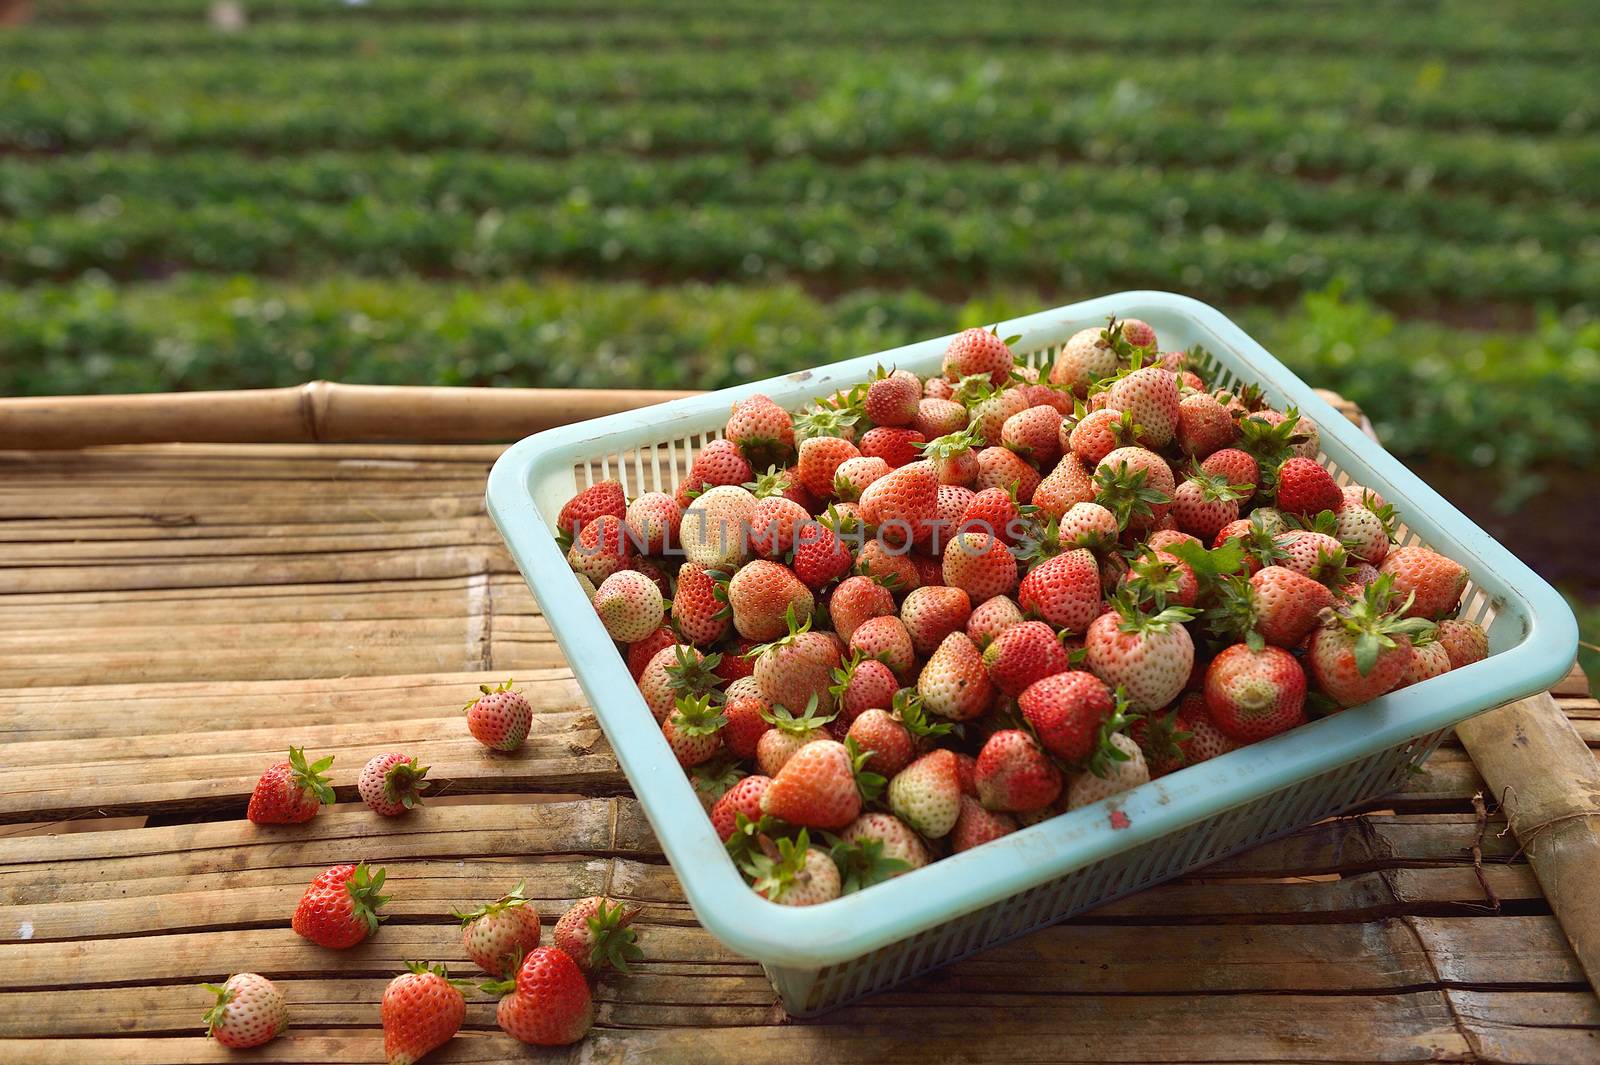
point(1404, 206)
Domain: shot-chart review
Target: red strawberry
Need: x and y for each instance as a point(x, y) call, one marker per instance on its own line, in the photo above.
point(938, 418)
point(901, 506)
point(1286, 604)
point(291, 792)
point(800, 874)
point(392, 783)
point(1364, 651)
point(1151, 396)
point(421, 1011)
point(937, 388)
point(601, 549)
point(966, 770)
point(1014, 775)
point(932, 613)
point(1022, 654)
point(595, 933)
point(1064, 590)
point(745, 723)
point(674, 671)
point(743, 798)
point(1204, 425)
point(992, 617)
point(976, 351)
point(762, 431)
point(888, 745)
point(948, 512)
point(953, 684)
point(604, 497)
point(1136, 485)
point(859, 685)
point(1252, 694)
point(1306, 488)
point(550, 1005)
point(887, 639)
point(1149, 656)
point(1000, 467)
point(774, 523)
point(1204, 503)
point(897, 447)
point(1233, 466)
point(817, 787)
point(892, 398)
point(500, 718)
point(1099, 433)
point(694, 730)
point(1429, 659)
point(719, 462)
point(733, 664)
point(1181, 737)
point(630, 606)
point(1091, 525)
point(762, 595)
point(927, 794)
point(821, 555)
point(855, 600)
point(798, 666)
point(249, 1011)
point(1464, 641)
point(980, 565)
point(854, 475)
point(993, 511)
point(1068, 485)
point(1433, 582)
point(340, 907)
point(498, 935)
point(891, 566)
point(819, 460)
point(1067, 710)
point(1034, 433)
point(899, 842)
point(976, 826)
point(696, 608)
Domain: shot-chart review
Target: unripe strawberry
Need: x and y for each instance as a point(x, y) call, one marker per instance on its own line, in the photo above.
point(892, 399)
point(980, 565)
point(992, 617)
point(854, 475)
point(800, 875)
point(1148, 656)
point(939, 417)
point(762, 431)
point(500, 718)
point(899, 841)
point(862, 684)
point(1000, 467)
point(1089, 525)
point(1034, 434)
point(1086, 357)
point(1067, 486)
point(932, 613)
point(719, 463)
point(601, 549)
point(775, 522)
point(499, 935)
point(595, 933)
point(653, 521)
point(1434, 582)
point(977, 351)
point(1136, 485)
point(714, 527)
point(976, 826)
point(629, 605)
point(1151, 396)
point(886, 639)
point(953, 684)
point(855, 600)
point(249, 1011)
point(763, 595)
point(392, 783)
point(694, 730)
point(1464, 641)
point(1121, 775)
point(927, 794)
point(889, 746)
point(1204, 425)
point(1233, 466)
point(745, 721)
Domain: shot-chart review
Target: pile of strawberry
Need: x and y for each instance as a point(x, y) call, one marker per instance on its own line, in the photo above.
point(545, 989)
point(923, 614)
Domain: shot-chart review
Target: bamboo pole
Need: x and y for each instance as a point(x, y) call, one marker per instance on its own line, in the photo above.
point(1548, 784)
point(317, 412)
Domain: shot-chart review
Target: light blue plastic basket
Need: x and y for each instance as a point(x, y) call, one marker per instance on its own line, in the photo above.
point(824, 956)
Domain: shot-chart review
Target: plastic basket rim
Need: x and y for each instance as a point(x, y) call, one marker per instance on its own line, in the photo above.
point(814, 937)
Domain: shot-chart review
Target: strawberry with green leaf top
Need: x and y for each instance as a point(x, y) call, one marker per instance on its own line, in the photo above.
point(797, 874)
point(595, 933)
point(422, 1010)
point(291, 792)
point(392, 783)
point(1363, 650)
point(497, 935)
point(694, 729)
point(714, 779)
point(788, 734)
point(500, 718)
point(863, 863)
point(340, 908)
point(1148, 654)
point(249, 1011)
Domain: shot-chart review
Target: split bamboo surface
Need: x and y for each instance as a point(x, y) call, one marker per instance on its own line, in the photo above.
point(172, 617)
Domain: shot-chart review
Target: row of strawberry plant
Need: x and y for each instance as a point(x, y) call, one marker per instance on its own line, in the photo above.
point(1078, 250)
point(859, 119)
point(1506, 401)
point(1235, 199)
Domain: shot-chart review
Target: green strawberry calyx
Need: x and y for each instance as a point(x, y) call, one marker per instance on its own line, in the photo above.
point(692, 673)
point(1163, 739)
point(696, 716)
point(750, 838)
point(1105, 752)
point(780, 717)
point(363, 887)
point(713, 779)
point(868, 784)
point(774, 482)
point(509, 901)
point(907, 709)
point(615, 944)
point(863, 863)
point(310, 778)
point(1122, 490)
point(504, 686)
point(403, 783)
point(422, 968)
point(773, 876)
point(217, 1013)
point(1373, 626)
point(952, 444)
point(1134, 619)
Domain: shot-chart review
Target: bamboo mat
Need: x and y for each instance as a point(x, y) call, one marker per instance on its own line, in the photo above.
point(172, 617)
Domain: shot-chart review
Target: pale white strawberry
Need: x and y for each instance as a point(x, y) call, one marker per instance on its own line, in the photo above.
point(653, 521)
point(1363, 533)
point(1151, 396)
point(899, 841)
point(630, 605)
point(713, 529)
point(1085, 788)
point(1149, 656)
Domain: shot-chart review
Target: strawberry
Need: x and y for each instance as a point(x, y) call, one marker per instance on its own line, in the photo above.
point(897, 447)
point(1088, 525)
point(549, 1004)
point(889, 746)
point(694, 730)
point(856, 600)
point(939, 418)
point(1086, 357)
point(1151, 396)
point(601, 549)
point(886, 639)
point(676, 671)
point(992, 617)
point(976, 825)
point(652, 570)
point(781, 482)
point(1204, 503)
point(249, 1011)
point(604, 497)
point(854, 475)
point(861, 684)
point(822, 785)
point(496, 936)
point(422, 1010)
point(1306, 488)
point(340, 907)
point(734, 665)
point(290, 793)
point(629, 605)
point(1148, 655)
point(1204, 426)
point(821, 555)
point(1364, 650)
point(1163, 539)
point(787, 735)
point(1270, 437)
point(652, 521)
point(720, 462)
point(937, 388)
point(898, 842)
point(1361, 575)
point(932, 613)
point(745, 722)
point(1121, 774)
point(1317, 555)
point(901, 506)
point(500, 718)
point(1000, 467)
point(889, 565)
point(820, 459)
point(1286, 604)
point(1014, 775)
point(1432, 582)
point(927, 794)
point(952, 504)
point(1034, 433)
point(1098, 433)
point(774, 523)
point(1067, 711)
point(798, 666)
point(1136, 485)
point(993, 511)
point(1155, 579)
point(1183, 736)
point(1464, 641)
point(980, 565)
point(714, 527)
point(1356, 495)
point(1253, 693)
point(1233, 466)
point(1365, 534)
point(1429, 659)
point(762, 595)
point(1022, 654)
point(954, 457)
point(762, 431)
point(976, 351)
point(697, 609)
point(1067, 486)
point(392, 783)
point(595, 932)
point(892, 398)
point(1064, 590)
point(799, 875)
point(953, 683)
point(743, 798)
point(987, 416)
